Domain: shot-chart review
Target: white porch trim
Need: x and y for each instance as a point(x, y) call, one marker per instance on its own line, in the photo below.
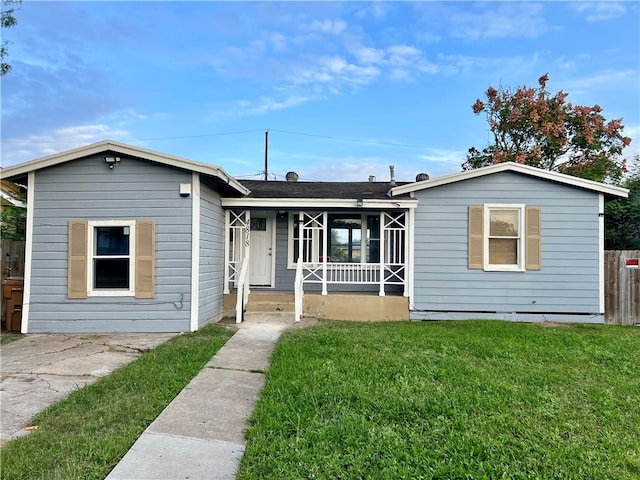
point(195, 251)
point(28, 253)
point(318, 203)
point(601, 252)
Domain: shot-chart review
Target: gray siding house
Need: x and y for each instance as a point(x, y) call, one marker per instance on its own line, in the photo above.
point(122, 239)
point(125, 239)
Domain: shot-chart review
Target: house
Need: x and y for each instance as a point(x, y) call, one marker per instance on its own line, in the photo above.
point(121, 238)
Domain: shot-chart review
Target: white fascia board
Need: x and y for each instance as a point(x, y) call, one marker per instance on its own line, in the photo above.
point(318, 203)
point(512, 167)
point(123, 149)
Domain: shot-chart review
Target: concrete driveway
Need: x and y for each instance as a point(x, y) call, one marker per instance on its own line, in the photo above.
point(40, 369)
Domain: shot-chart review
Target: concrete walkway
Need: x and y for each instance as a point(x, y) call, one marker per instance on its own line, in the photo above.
point(200, 435)
point(40, 369)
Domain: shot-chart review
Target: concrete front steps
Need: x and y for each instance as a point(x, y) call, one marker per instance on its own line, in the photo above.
point(270, 306)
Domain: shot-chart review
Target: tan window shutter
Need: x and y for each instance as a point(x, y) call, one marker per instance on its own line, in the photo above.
point(145, 259)
point(476, 243)
point(77, 260)
point(532, 246)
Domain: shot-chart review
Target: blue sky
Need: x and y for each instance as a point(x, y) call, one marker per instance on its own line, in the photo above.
point(345, 89)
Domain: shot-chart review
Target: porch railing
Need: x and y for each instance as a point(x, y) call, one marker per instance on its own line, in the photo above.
point(298, 287)
point(345, 273)
point(242, 290)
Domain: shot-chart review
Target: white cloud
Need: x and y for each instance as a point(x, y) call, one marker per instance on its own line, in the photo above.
point(267, 104)
point(333, 27)
point(348, 169)
point(604, 79)
point(369, 56)
point(54, 141)
point(499, 20)
point(600, 11)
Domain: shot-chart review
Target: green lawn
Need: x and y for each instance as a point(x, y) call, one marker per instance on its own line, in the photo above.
point(449, 400)
point(8, 337)
point(85, 435)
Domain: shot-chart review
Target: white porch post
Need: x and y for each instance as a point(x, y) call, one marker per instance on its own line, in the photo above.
point(325, 242)
point(409, 264)
point(247, 250)
point(300, 236)
point(227, 227)
point(382, 252)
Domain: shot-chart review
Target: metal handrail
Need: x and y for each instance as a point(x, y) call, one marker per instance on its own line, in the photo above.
point(298, 287)
point(243, 290)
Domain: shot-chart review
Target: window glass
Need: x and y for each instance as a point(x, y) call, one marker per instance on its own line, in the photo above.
point(111, 273)
point(504, 223)
point(112, 240)
point(504, 236)
point(258, 224)
point(345, 238)
point(111, 257)
point(373, 239)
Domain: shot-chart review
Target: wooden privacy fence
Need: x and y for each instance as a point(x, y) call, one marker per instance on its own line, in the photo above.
point(622, 287)
point(12, 261)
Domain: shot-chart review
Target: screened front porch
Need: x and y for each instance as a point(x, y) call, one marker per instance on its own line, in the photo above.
point(325, 252)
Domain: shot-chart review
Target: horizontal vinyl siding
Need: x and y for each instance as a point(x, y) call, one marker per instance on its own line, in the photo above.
point(88, 190)
point(211, 256)
point(568, 280)
point(285, 277)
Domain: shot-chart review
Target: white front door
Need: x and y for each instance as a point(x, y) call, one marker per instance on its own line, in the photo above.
point(261, 249)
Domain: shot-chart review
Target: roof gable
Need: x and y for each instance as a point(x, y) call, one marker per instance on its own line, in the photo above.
point(124, 149)
point(517, 168)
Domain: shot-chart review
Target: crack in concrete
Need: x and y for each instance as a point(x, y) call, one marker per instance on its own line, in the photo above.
point(229, 369)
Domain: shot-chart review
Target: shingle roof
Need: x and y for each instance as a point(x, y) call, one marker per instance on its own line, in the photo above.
point(337, 190)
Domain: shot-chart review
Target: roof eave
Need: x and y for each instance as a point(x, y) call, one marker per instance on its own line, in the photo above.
point(123, 149)
point(513, 167)
point(323, 203)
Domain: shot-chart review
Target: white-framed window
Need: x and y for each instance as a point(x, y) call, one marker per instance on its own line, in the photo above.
point(111, 263)
point(504, 227)
point(352, 238)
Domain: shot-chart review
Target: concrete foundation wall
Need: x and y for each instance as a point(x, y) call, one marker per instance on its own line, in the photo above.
point(345, 306)
point(361, 308)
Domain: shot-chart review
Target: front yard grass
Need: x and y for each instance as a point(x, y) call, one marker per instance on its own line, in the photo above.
point(449, 400)
point(85, 435)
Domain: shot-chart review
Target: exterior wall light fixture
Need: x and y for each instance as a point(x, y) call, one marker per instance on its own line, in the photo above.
point(111, 161)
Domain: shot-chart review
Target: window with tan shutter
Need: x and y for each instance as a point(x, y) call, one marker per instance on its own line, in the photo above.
point(111, 258)
point(504, 237)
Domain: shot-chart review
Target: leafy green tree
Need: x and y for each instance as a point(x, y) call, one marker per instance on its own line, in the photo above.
point(7, 20)
point(534, 127)
point(622, 216)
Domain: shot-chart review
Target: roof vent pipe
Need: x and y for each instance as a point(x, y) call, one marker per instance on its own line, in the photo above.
point(421, 177)
point(292, 177)
point(372, 178)
point(393, 178)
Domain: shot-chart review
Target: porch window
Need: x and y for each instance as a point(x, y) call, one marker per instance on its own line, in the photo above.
point(311, 243)
point(352, 238)
point(345, 241)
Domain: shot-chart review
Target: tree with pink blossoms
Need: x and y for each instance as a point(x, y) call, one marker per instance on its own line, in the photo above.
point(534, 127)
